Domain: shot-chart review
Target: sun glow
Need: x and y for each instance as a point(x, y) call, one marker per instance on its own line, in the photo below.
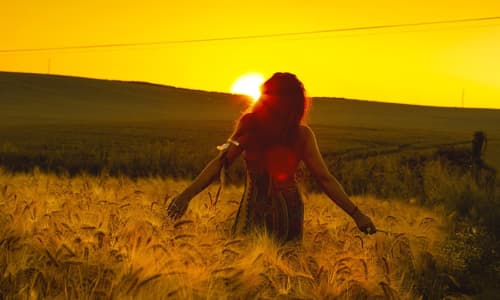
point(248, 84)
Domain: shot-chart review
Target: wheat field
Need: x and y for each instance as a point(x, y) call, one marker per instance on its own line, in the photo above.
point(108, 238)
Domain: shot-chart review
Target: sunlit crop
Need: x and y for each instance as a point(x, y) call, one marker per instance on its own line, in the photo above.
point(106, 237)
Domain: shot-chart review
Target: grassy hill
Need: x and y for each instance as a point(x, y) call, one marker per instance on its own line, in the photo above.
point(342, 125)
point(35, 98)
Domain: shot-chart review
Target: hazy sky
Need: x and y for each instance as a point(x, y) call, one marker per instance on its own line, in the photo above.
point(428, 65)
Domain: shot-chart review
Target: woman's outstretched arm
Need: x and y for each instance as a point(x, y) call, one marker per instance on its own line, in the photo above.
point(315, 163)
point(180, 203)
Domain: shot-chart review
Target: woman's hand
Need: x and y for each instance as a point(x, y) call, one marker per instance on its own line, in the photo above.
point(177, 207)
point(364, 222)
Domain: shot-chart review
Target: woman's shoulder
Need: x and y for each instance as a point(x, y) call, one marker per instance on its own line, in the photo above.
point(247, 117)
point(243, 126)
point(305, 131)
point(307, 137)
point(246, 121)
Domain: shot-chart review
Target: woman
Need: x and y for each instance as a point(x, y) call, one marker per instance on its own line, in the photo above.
point(274, 139)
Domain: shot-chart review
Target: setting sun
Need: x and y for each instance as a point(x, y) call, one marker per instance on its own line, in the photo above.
point(248, 84)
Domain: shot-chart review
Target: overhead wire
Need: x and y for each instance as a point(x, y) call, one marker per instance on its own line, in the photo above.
point(250, 37)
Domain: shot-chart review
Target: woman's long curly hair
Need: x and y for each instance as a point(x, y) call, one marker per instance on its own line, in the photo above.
point(281, 108)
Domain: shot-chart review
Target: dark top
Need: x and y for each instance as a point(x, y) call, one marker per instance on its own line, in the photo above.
point(271, 200)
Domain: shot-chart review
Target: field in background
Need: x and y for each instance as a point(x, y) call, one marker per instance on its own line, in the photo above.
point(56, 113)
point(107, 151)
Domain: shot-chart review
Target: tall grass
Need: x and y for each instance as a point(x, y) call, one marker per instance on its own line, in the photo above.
point(108, 238)
point(115, 169)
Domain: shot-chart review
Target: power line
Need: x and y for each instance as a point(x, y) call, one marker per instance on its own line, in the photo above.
point(248, 37)
point(403, 31)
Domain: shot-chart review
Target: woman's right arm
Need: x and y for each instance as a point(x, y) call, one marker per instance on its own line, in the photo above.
point(314, 161)
point(229, 152)
point(180, 203)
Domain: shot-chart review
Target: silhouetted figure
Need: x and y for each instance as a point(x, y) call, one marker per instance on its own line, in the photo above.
point(479, 144)
point(483, 174)
point(274, 139)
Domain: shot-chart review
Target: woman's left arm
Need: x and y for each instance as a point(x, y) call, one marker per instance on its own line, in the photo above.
point(314, 161)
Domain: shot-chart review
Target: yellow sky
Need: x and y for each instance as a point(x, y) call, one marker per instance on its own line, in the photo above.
point(428, 65)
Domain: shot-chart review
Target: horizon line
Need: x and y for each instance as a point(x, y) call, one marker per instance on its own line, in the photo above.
point(229, 93)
